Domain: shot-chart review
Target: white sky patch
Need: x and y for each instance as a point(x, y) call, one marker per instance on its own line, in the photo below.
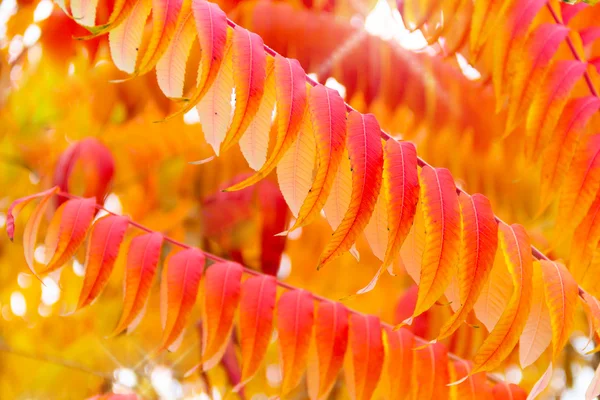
point(332, 83)
point(32, 35)
point(285, 267)
point(466, 68)
point(387, 24)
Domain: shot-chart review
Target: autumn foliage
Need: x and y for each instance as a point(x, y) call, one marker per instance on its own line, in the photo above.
point(390, 276)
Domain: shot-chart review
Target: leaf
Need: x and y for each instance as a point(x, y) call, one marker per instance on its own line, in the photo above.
point(32, 226)
point(295, 170)
point(592, 310)
point(509, 42)
point(214, 109)
point(254, 142)
point(430, 375)
point(581, 185)
point(561, 292)
point(328, 114)
point(294, 326)
point(495, 294)
point(505, 335)
point(365, 361)
point(401, 188)
point(142, 259)
point(257, 303)
point(508, 391)
point(178, 291)
point(290, 91)
point(211, 26)
point(548, 104)
point(584, 244)
point(376, 231)
point(105, 241)
point(249, 63)
point(559, 153)
point(442, 240)
point(366, 159)
point(327, 356)
point(537, 334)
point(165, 18)
point(479, 242)
point(593, 391)
point(17, 206)
point(398, 363)
point(541, 46)
point(125, 39)
point(472, 388)
point(222, 288)
point(541, 384)
point(67, 231)
point(170, 68)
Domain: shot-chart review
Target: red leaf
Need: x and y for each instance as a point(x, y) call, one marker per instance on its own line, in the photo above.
point(142, 259)
point(398, 363)
point(103, 248)
point(294, 326)
point(256, 323)
point(366, 357)
point(327, 357)
point(222, 288)
point(179, 289)
point(430, 376)
point(67, 231)
point(366, 157)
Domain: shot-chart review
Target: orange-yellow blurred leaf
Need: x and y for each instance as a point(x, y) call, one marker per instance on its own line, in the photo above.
point(430, 375)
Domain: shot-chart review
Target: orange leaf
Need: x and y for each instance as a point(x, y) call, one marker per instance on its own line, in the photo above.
point(442, 241)
point(126, 38)
point(495, 294)
point(505, 335)
point(508, 391)
point(294, 326)
point(584, 244)
point(398, 363)
point(254, 142)
point(142, 259)
point(558, 155)
point(290, 91)
point(18, 205)
point(509, 42)
point(541, 384)
point(170, 68)
point(222, 287)
point(256, 323)
point(295, 170)
point(401, 188)
point(105, 241)
point(376, 231)
point(537, 334)
point(214, 109)
point(366, 158)
point(430, 375)
point(561, 292)
point(327, 357)
point(249, 62)
point(541, 45)
point(67, 231)
point(549, 101)
point(366, 357)
point(478, 248)
point(580, 187)
point(328, 114)
point(211, 25)
point(165, 18)
point(178, 291)
point(473, 388)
